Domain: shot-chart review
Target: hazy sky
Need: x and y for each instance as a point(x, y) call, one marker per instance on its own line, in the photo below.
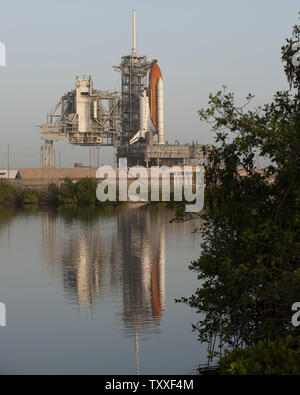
point(200, 45)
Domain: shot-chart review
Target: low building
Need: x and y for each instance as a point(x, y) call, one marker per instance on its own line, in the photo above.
point(10, 174)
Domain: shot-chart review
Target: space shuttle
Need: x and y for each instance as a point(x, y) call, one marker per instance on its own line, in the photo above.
point(152, 107)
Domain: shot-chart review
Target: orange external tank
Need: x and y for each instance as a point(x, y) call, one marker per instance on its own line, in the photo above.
point(154, 76)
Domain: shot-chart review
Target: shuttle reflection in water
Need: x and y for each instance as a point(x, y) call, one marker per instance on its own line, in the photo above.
point(121, 255)
point(95, 284)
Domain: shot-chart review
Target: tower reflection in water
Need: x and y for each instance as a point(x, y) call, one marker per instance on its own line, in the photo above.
point(121, 255)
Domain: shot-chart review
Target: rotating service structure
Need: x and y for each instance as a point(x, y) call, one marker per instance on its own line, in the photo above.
point(131, 120)
point(85, 116)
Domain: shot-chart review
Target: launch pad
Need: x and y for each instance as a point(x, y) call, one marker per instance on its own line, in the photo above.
point(131, 121)
point(148, 155)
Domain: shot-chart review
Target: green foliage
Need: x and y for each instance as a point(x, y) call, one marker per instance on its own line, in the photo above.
point(250, 230)
point(30, 197)
point(51, 194)
point(7, 192)
point(67, 193)
point(279, 357)
point(250, 262)
point(86, 190)
point(83, 192)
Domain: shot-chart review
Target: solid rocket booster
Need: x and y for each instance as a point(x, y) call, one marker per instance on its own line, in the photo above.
point(160, 111)
point(152, 107)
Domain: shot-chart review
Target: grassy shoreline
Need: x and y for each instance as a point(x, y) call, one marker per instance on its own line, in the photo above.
point(79, 194)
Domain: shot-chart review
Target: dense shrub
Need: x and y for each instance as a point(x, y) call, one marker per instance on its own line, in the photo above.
point(82, 192)
point(51, 194)
point(7, 192)
point(279, 357)
point(67, 193)
point(86, 191)
point(250, 259)
point(30, 197)
point(249, 268)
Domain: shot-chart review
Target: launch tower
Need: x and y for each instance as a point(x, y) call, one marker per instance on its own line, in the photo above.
point(134, 71)
point(132, 121)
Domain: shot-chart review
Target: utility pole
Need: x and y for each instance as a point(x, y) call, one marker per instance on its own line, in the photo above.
point(43, 162)
point(98, 152)
point(90, 161)
point(8, 161)
point(42, 157)
point(54, 162)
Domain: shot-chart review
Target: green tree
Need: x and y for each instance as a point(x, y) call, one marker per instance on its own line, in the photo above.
point(250, 263)
point(67, 193)
point(7, 192)
point(278, 357)
point(292, 72)
point(51, 194)
point(30, 197)
point(86, 191)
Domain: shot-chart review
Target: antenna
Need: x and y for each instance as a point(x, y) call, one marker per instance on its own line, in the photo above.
point(133, 33)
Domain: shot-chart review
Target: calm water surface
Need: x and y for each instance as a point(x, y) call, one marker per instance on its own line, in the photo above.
point(92, 292)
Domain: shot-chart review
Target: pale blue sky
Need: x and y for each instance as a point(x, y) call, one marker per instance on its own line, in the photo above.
point(200, 46)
